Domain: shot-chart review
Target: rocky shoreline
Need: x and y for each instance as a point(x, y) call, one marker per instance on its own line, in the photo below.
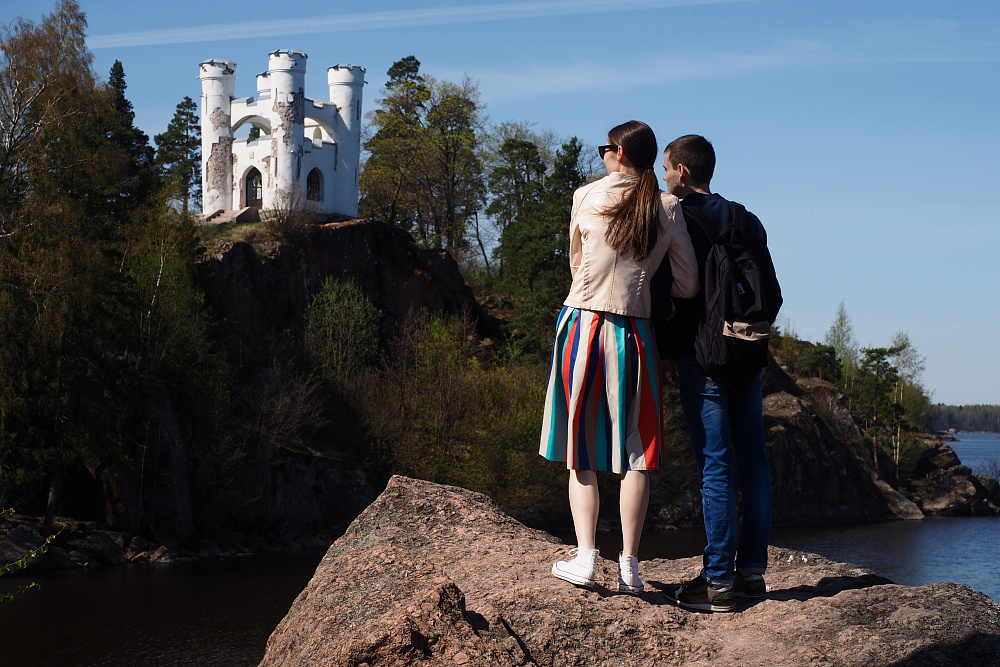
point(438, 575)
point(80, 544)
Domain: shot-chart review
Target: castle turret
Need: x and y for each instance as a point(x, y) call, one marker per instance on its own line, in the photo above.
point(286, 77)
point(218, 86)
point(263, 85)
point(346, 82)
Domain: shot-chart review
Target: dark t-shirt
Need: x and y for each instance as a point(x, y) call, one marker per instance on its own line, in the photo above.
point(676, 336)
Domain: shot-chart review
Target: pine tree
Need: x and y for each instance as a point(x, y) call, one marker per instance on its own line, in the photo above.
point(534, 248)
point(178, 153)
point(140, 180)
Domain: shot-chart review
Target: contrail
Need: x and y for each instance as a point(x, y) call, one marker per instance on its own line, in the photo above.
point(381, 20)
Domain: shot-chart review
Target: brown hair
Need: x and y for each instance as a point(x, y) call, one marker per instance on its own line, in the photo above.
point(696, 153)
point(635, 220)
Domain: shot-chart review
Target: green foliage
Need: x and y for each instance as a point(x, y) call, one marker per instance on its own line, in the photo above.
point(7, 569)
point(178, 153)
point(909, 392)
point(973, 418)
point(173, 325)
point(436, 411)
point(140, 180)
point(423, 171)
point(872, 394)
point(820, 361)
point(534, 246)
point(341, 331)
point(516, 183)
point(841, 338)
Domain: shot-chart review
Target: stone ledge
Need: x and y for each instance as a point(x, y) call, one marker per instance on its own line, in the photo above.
point(438, 575)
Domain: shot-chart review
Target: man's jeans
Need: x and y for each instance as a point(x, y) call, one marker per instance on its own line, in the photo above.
point(726, 422)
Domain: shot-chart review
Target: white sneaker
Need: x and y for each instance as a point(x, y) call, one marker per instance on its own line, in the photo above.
point(581, 570)
point(628, 575)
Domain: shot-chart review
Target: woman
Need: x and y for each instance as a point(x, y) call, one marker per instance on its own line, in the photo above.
point(602, 408)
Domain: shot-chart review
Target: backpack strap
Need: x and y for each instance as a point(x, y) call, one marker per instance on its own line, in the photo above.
point(738, 212)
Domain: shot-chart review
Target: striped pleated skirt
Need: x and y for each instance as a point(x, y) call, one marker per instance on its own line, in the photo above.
point(602, 406)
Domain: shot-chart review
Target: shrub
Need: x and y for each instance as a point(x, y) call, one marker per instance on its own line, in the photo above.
point(290, 219)
point(341, 331)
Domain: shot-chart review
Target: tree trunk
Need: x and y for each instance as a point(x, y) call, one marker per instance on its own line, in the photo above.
point(55, 497)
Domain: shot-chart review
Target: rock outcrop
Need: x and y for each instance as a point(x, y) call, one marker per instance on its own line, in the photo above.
point(437, 575)
point(263, 291)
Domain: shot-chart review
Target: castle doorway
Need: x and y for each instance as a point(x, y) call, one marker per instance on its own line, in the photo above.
point(254, 189)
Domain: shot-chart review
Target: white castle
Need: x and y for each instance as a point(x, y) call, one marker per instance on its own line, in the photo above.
point(308, 151)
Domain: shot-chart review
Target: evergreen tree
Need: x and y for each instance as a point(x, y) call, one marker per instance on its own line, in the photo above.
point(178, 153)
point(872, 395)
point(140, 180)
point(516, 183)
point(534, 248)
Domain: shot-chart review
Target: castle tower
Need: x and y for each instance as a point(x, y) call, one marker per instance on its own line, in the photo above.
point(218, 86)
point(346, 82)
point(286, 77)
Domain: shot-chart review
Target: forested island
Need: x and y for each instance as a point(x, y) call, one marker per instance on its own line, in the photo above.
point(222, 388)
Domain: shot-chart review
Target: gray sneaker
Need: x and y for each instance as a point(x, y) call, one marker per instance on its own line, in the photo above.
point(698, 594)
point(750, 587)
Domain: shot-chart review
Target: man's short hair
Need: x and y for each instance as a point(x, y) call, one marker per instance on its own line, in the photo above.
point(696, 153)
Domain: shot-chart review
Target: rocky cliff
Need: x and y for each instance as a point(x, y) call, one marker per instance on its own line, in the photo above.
point(822, 468)
point(265, 289)
point(438, 575)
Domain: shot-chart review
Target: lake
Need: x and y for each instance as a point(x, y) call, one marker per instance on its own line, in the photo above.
point(220, 613)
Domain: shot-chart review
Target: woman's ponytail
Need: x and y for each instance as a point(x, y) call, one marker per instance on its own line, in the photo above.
point(634, 221)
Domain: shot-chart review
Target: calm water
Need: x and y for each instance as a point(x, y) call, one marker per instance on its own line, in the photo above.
point(979, 451)
point(221, 613)
point(958, 549)
point(204, 613)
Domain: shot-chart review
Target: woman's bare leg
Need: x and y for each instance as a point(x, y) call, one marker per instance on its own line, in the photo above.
point(634, 501)
point(584, 502)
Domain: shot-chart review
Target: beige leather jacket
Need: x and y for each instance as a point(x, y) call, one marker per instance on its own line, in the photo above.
point(603, 279)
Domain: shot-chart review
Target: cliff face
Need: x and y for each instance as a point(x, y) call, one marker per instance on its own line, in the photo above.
point(265, 291)
point(257, 292)
point(437, 575)
point(821, 472)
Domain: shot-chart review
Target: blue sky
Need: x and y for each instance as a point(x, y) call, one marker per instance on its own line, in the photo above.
point(864, 134)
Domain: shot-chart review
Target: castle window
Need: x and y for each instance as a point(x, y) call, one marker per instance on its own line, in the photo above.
point(254, 189)
point(314, 185)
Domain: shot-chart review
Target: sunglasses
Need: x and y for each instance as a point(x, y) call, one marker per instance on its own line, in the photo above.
point(601, 150)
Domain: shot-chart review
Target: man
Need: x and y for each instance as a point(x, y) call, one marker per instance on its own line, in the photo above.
point(724, 415)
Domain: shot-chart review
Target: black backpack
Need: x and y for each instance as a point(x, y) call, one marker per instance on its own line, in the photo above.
point(731, 342)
